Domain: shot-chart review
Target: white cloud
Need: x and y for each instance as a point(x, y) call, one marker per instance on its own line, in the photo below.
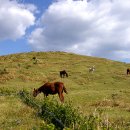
point(15, 18)
point(97, 28)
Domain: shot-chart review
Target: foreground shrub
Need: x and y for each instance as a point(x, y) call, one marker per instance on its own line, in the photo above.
point(62, 115)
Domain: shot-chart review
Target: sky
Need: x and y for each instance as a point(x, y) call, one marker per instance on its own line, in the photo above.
point(98, 28)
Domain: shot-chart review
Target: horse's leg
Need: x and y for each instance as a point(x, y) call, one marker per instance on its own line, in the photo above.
point(61, 97)
point(66, 75)
point(60, 75)
point(45, 95)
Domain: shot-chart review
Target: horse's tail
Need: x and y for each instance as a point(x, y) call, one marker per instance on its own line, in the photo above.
point(64, 89)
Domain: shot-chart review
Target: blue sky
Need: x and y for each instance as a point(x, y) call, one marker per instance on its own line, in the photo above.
point(9, 46)
point(98, 28)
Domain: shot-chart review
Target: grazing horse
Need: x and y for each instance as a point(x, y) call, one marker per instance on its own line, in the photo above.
point(128, 71)
point(51, 88)
point(92, 69)
point(63, 74)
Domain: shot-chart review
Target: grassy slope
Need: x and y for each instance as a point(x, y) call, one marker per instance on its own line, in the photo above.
point(106, 89)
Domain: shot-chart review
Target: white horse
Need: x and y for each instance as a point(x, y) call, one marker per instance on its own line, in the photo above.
point(92, 69)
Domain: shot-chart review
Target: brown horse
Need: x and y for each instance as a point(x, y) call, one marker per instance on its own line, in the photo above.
point(128, 71)
point(63, 73)
point(51, 88)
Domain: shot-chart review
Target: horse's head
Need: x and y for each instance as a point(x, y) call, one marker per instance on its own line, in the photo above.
point(35, 92)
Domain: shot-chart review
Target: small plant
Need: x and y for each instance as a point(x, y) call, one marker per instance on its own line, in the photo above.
point(3, 71)
point(45, 126)
point(35, 60)
point(28, 66)
point(19, 65)
point(114, 97)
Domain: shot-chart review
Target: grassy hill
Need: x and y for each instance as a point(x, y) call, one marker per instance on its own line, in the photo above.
point(106, 90)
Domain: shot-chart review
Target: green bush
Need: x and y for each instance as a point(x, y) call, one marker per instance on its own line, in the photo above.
point(62, 115)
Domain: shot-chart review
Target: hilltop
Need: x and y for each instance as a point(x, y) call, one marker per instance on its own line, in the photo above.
point(106, 89)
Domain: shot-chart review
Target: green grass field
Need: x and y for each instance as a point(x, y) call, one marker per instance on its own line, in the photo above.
point(107, 89)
